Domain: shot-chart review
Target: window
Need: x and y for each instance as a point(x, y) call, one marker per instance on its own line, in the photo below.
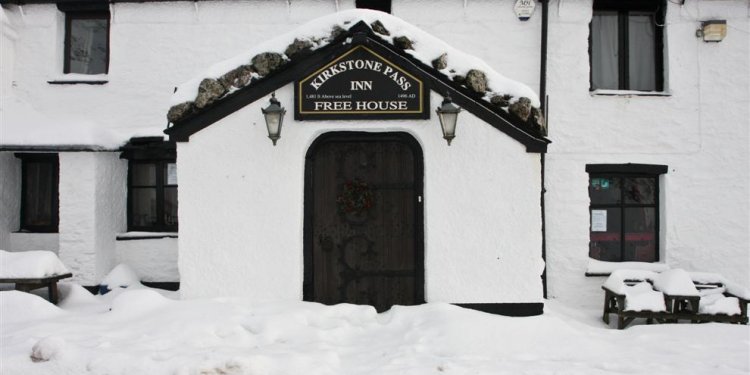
point(381, 5)
point(87, 42)
point(626, 45)
point(624, 212)
point(39, 192)
point(152, 185)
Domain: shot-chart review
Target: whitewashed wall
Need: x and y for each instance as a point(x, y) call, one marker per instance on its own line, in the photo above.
point(20, 241)
point(10, 197)
point(92, 212)
point(8, 38)
point(241, 209)
point(10, 167)
point(156, 46)
point(700, 131)
point(151, 259)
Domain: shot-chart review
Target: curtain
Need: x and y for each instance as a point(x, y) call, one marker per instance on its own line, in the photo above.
point(88, 46)
point(39, 189)
point(641, 58)
point(604, 47)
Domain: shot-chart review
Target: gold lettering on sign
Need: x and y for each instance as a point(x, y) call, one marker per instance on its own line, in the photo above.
point(361, 86)
point(333, 106)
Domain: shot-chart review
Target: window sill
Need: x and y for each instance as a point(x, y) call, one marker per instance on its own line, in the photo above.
point(629, 93)
point(596, 268)
point(129, 236)
point(27, 231)
point(75, 79)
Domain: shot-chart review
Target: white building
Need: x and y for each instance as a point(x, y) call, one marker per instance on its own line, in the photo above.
point(648, 162)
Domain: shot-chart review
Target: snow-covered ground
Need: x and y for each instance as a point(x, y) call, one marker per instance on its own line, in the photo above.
point(141, 331)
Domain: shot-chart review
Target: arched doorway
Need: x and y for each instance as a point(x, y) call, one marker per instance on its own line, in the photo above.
point(364, 240)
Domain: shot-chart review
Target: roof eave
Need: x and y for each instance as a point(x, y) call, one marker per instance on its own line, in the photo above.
point(359, 34)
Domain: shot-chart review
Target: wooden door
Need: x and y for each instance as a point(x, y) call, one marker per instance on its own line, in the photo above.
point(363, 220)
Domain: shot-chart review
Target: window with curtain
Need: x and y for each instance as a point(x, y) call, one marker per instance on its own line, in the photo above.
point(39, 192)
point(624, 212)
point(626, 45)
point(87, 42)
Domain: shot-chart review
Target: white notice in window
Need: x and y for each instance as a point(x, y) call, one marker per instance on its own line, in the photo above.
point(171, 174)
point(598, 220)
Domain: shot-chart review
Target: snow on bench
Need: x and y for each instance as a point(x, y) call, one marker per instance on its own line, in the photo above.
point(30, 270)
point(673, 295)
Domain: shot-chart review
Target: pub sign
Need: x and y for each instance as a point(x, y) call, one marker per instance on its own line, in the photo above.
point(361, 84)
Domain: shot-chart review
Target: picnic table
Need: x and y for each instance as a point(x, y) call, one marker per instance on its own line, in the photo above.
point(29, 284)
point(672, 296)
point(30, 270)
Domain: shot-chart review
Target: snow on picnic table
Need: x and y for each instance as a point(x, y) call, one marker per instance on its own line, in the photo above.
point(146, 333)
point(34, 264)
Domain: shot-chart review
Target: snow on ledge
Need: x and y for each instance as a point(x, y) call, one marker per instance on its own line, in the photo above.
point(30, 264)
point(79, 78)
point(145, 235)
point(606, 92)
point(426, 48)
point(601, 268)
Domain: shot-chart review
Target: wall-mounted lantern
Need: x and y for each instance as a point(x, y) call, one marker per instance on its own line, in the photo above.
point(712, 30)
point(448, 114)
point(274, 115)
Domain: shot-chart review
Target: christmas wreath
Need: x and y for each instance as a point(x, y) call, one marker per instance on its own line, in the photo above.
point(356, 197)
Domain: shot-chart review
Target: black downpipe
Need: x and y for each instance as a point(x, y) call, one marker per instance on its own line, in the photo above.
point(543, 68)
point(544, 235)
point(543, 99)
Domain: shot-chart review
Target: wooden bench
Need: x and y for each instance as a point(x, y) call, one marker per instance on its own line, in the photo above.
point(29, 284)
point(677, 308)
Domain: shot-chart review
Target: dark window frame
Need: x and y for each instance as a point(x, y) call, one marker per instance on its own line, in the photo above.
point(84, 15)
point(160, 185)
point(381, 5)
point(150, 150)
point(54, 159)
point(632, 171)
point(623, 9)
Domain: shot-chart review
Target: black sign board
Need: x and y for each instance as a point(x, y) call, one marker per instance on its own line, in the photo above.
point(360, 84)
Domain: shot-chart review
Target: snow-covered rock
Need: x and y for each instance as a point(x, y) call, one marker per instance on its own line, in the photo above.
point(48, 348)
point(222, 78)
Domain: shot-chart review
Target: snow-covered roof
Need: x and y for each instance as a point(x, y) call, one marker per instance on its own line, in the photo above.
point(318, 32)
point(23, 126)
point(459, 69)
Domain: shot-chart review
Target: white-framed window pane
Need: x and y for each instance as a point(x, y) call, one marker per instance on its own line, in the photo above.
point(604, 50)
